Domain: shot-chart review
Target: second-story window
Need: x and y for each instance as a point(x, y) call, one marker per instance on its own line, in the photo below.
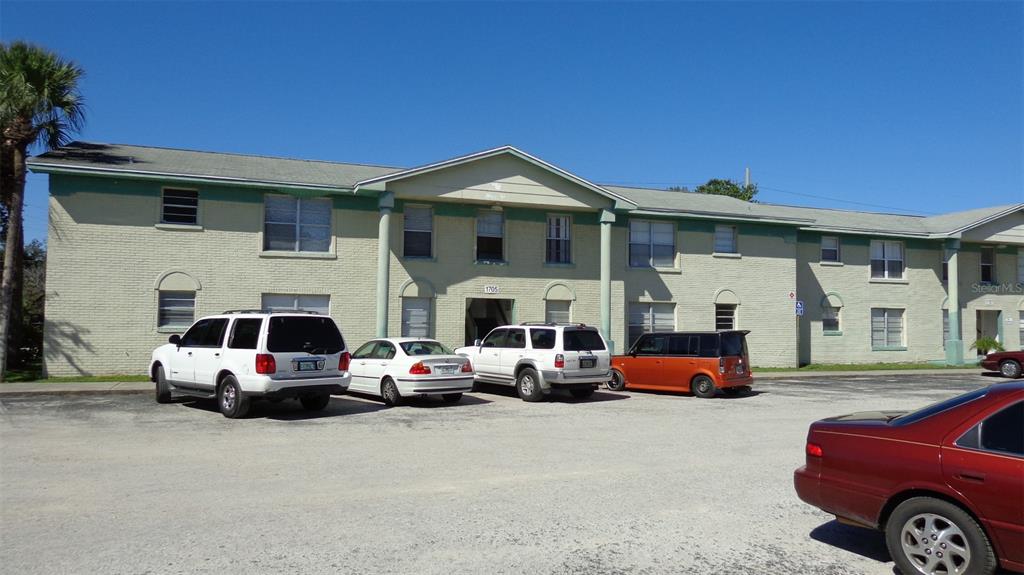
point(297, 224)
point(558, 239)
point(988, 264)
point(725, 240)
point(490, 236)
point(180, 207)
point(652, 244)
point(886, 259)
point(945, 263)
point(829, 248)
point(419, 227)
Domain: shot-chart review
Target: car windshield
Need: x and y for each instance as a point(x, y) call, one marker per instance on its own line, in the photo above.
point(582, 340)
point(734, 343)
point(936, 408)
point(425, 347)
point(311, 334)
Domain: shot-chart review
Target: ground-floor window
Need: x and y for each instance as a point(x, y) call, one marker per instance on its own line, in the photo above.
point(725, 316)
point(557, 311)
point(945, 327)
point(1020, 319)
point(886, 328)
point(830, 319)
point(177, 309)
point(647, 317)
point(415, 317)
point(293, 302)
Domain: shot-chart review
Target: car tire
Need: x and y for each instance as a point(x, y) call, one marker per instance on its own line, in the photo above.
point(451, 397)
point(582, 392)
point(617, 382)
point(912, 550)
point(703, 387)
point(163, 389)
point(528, 385)
point(233, 403)
point(315, 402)
point(389, 392)
point(1009, 368)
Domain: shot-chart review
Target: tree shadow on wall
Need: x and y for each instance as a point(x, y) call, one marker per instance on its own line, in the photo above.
point(65, 342)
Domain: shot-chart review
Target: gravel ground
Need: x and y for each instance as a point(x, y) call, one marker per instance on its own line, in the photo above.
point(623, 483)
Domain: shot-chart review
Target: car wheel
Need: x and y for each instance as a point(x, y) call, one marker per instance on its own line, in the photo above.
point(618, 381)
point(232, 402)
point(528, 385)
point(931, 537)
point(702, 386)
point(315, 402)
point(163, 389)
point(389, 392)
point(451, 397)
point(1010, 368)
point(582, 393)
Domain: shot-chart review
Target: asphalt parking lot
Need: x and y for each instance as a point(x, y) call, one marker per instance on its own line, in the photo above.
point(625, 482)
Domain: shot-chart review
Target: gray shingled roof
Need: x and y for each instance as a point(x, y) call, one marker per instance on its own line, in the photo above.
point(113, 158)
point(168, 161)
point(853, 221)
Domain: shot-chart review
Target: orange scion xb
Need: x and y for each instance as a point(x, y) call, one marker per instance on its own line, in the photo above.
point(696, 362)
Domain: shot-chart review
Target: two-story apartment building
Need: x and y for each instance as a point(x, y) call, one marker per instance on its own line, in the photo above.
point(143, 240)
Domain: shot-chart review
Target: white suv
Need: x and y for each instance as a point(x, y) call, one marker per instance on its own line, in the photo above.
point(537, 357)
point(242, 355)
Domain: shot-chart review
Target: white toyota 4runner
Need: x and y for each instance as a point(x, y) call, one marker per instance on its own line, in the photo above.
point(243, 355)
point(539, 357)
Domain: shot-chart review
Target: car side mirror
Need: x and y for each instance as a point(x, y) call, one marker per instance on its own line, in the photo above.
point(477, 342)
point(175, 339)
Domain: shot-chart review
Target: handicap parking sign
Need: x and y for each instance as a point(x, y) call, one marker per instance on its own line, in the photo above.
point(799, 308)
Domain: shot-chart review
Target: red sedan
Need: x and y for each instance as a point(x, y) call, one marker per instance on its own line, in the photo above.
point(945, 483)
point(1007, 363)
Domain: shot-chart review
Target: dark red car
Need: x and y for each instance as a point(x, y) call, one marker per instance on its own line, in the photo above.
point(945, 483)
point(1007, 363)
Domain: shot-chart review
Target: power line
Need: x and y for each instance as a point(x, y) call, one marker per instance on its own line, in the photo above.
point(851, 202)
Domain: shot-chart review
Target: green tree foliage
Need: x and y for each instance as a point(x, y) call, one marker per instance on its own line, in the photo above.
point(40, 106)
point(728, 188)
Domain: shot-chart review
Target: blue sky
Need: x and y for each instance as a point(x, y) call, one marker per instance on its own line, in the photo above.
point(914, 106)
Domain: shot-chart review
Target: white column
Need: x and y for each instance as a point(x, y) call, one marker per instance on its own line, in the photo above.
point(607, 218)
point(386, 204)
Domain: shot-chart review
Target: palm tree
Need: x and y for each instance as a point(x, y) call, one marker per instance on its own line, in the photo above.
point(39, 106)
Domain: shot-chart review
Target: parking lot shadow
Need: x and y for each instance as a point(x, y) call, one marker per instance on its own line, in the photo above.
point(425, 401)
point(291, 410)
point(863, 542)
point(559, 395)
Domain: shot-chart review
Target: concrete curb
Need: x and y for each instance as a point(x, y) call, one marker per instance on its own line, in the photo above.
point(84, 388)
point(864, 373)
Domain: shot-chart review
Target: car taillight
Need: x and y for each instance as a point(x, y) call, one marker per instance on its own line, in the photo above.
point(559, 360)
point(344, 360)
point(721, 365)
point(467, 367)
point(814, 450)
point(419, 368)
point(265, 364)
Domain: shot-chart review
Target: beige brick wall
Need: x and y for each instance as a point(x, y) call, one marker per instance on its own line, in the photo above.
point(922, 294)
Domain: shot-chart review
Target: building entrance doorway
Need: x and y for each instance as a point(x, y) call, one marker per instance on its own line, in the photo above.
point(988, 325)
point(485, 314)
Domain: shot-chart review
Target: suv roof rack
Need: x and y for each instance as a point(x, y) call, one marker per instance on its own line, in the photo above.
point(235, 311)
point(554, 324)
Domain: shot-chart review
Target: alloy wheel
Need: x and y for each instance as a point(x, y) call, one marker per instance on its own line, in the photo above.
point(935, 545)
point(526, 384)
point(228, 397)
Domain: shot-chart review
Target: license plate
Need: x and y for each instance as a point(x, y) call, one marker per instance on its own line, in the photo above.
point(446, 369)
point(309, 365)
point(587, 362)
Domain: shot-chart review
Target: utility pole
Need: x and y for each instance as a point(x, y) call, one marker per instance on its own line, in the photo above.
point(746, 178)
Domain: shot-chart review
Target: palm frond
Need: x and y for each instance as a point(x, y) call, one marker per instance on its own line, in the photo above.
point(39, 95)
